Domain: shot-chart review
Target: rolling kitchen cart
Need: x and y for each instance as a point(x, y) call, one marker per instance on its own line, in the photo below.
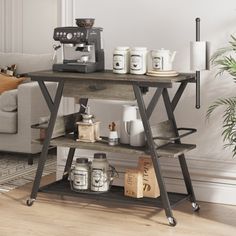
point(107, 85)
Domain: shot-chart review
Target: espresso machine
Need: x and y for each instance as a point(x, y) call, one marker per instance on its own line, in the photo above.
point(81, 47)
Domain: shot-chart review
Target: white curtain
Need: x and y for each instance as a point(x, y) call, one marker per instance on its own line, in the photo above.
point(11, 18)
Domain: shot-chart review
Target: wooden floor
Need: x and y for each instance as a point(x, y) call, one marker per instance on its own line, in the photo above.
point(53, 215)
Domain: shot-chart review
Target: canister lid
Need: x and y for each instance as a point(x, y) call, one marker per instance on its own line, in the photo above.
point(100, 156)
point(82, 160)
point(122, 48)
point(139, 49)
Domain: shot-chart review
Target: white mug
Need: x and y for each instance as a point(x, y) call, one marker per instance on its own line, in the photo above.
point(137, 135)
point(129, 113)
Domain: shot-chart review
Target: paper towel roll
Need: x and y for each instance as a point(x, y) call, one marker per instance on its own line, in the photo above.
point(199, 55)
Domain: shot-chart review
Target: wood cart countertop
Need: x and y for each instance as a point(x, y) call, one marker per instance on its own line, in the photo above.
point(109, 76)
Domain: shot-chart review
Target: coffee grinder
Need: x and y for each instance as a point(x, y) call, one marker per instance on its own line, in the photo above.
point(82, 47)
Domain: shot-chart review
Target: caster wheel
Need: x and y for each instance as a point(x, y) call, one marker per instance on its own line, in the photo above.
point(172, 221)
point(30, 201)
point(195, 206)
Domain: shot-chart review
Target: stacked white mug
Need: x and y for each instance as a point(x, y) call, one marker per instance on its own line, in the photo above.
point(132, 131)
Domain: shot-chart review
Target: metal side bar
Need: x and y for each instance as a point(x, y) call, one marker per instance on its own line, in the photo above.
point(182, 160)
point(46, 143)
point(152, 149)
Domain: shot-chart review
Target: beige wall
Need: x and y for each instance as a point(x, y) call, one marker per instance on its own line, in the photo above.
point(27, 25)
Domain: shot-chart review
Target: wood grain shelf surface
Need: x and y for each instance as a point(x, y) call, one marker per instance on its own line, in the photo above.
point(170, 150)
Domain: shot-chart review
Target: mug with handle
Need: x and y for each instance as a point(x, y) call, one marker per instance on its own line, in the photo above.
point(129, 113)
point(137, 135)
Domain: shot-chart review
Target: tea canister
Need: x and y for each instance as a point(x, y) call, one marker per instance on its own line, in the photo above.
point(81, 174)
point(121, 60)
point(100, 179)
point(138, 60)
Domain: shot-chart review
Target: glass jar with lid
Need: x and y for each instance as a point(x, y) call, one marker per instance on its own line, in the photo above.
point(100, 176)
point(138, 60)
point(121, 60)
point(81, 174)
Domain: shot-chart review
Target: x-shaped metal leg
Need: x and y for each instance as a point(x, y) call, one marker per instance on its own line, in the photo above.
point(152, 149)
point(53, 107)
point(182, 160)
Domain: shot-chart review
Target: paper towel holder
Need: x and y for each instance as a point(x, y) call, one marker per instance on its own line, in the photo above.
point(199, 59)
point(198, 75)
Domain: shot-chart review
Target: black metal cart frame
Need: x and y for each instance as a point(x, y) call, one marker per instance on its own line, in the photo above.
point(137, 83)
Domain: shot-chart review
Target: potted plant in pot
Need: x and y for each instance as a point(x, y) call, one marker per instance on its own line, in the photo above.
point(225, 60)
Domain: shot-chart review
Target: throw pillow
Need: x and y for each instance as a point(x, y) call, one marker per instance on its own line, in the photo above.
point(8, 100)
point(9, 82)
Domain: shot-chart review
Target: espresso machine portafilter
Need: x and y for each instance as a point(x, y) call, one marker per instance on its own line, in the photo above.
point(82, 47)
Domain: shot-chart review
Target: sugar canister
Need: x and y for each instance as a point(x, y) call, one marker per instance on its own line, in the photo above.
point(121, 60)
point(138, 60)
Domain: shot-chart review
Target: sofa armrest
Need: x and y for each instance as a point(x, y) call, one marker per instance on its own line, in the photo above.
point(32, 106)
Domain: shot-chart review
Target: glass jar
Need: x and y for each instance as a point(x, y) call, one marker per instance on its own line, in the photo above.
point(138, 60)
point(81, 174)
point(100, 179)
point(121, 60)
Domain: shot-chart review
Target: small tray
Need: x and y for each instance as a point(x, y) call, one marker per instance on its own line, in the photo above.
point(169, 73)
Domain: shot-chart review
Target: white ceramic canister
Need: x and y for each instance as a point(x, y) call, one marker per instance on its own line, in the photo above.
point(138, 60)
point(81, 174)
point(121, 60)
point(100, 177)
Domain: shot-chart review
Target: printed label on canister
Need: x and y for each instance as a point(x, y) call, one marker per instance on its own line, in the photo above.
point(118, 62)
point(136, 62)
point(157, 63)
point(98, 178)
point(80, 179)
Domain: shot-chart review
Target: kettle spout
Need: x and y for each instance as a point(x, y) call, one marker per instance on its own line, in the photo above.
point(172, 56)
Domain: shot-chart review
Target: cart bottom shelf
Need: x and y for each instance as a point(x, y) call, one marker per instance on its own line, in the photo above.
point(116, 193)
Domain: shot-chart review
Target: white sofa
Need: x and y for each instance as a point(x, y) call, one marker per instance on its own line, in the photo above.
point(16, 134)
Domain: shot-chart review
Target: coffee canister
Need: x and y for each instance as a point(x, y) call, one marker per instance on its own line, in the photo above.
point(121, 60)
point(100, 177)
point(138, 60)
point(81, 174)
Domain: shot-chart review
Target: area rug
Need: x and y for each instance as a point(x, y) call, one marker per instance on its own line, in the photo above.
point(15, 171)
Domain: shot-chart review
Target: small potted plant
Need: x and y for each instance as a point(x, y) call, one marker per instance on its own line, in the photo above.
point(225, 59)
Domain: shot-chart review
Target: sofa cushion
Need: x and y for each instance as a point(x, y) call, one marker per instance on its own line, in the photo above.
point(9, 82)
point(8, 122)
point(8, 100)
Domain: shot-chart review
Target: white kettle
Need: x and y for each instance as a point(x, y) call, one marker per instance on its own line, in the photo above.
point(162, 59)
